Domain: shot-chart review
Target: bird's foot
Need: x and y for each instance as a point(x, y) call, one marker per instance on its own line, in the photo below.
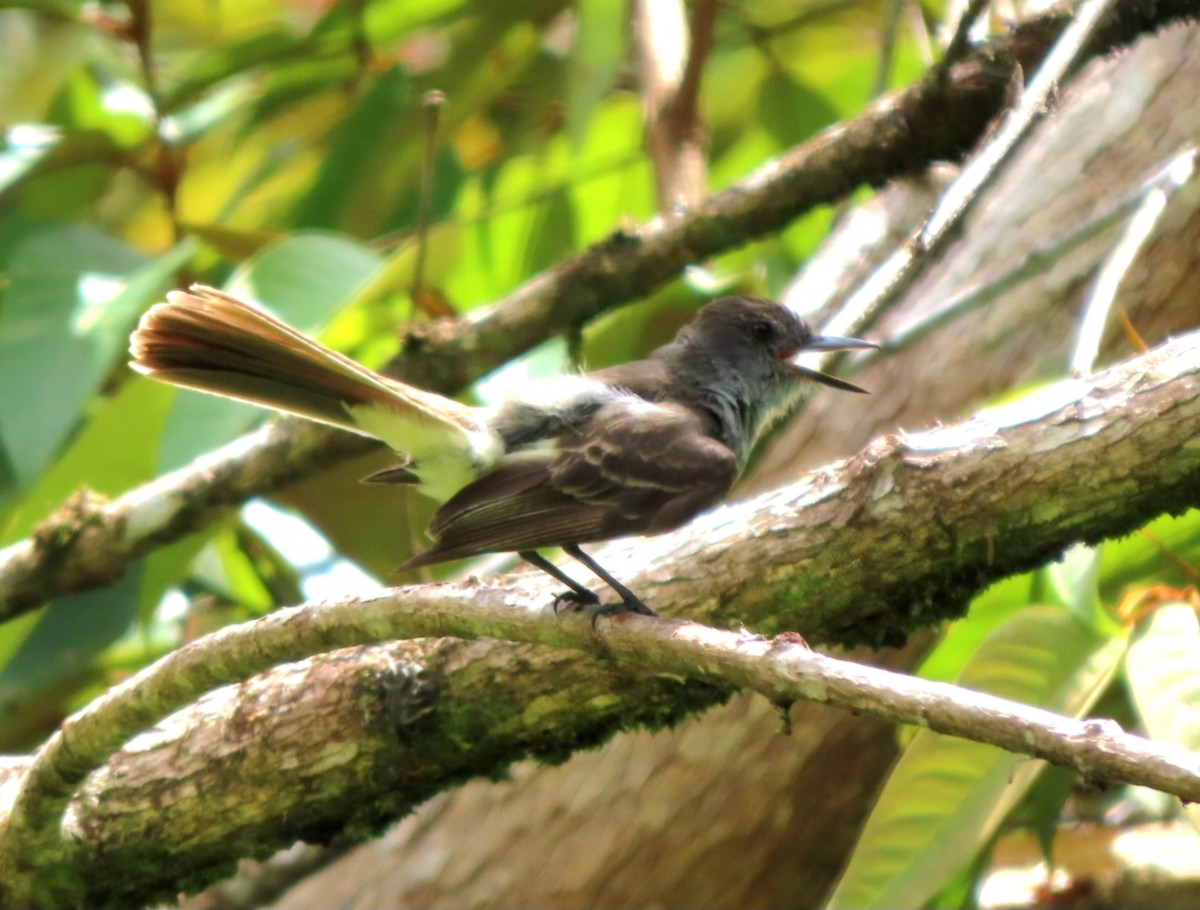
point(575, 601)
point(589, 603)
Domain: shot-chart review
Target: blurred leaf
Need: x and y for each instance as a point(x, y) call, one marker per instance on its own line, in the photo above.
point(306, 277)
point(597, 55)
point(226, 60)
point(163, 569)
point(357, 141)
point(551, 232)
point(114, 452)
point(946, 796)
point(56, 658)
point(231, 572)
point(1073, 582)
point(231, 242)
point(17, 159)
point(790, 111)
point(964, 636)
point(376, 526)
point(63, 322)
point(1042, 807)
point(1162, 671)
point(1167, 551)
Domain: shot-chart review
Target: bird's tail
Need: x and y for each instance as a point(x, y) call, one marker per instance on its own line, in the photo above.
point(205, 339)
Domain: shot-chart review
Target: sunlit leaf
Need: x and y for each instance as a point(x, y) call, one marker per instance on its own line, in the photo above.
point(62, 325)
point(113, 452)
point(945, 797)
point(1168, 549)
point(1074, 582)
point(350, 164)
point(1162, 671)
point(305, 277)
point(597, 53)
point(964, 636)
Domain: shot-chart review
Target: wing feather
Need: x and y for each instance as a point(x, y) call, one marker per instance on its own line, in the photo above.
point(635, 467)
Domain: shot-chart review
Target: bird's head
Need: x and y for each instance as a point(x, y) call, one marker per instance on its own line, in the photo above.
point(758, 339)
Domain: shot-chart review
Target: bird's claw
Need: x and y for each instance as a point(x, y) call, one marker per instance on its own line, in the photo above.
point(589, 603)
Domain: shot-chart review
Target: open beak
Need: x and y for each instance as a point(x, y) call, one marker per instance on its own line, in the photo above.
point(832, 343)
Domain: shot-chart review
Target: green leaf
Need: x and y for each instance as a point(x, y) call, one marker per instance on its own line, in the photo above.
point(964, 636)
point(216, 66)
point(224, 568)
point(56, 657)
point(305, 277)
point(64, 321)
point(164, 568)
point(1073, 582)
point(350, 162)
point(946, 796)
point(1162, 552)
point(113, 453)
point(790, 111)
point(1162, 671)
point(597, 54)
point(551, 232)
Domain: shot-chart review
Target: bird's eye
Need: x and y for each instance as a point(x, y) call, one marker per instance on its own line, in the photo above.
point(763, 330)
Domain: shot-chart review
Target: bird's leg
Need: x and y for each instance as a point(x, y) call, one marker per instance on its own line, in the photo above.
point(579, 596)
point(629, 600)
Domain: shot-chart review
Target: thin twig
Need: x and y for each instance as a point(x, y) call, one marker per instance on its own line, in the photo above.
point(1155, 194)
point(960, 40)
point(432, 102)
point(898, 273)
point(1036, 262)
point(887, 48)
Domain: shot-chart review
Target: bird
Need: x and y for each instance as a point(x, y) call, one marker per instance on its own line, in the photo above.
point(637, 448)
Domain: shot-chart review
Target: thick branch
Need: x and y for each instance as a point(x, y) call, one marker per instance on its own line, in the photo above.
point(906, 528)
point(85, 546)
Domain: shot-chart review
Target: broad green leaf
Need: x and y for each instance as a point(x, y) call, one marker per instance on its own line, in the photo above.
point(228, 59)
point(350, 163)
point(963, 637)
point(610, 178)
point(164, 568)
point(63, 322)
point(1162, 671)
point(551, 232)
point(114, 452)
point(22, 151)
point(224, 567)
point(945, 797)
point(55, 659)
point(1073, 582)
point(304, 278)
point(597, 54)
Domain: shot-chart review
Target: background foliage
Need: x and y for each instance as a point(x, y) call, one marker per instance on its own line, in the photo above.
point(279, 148)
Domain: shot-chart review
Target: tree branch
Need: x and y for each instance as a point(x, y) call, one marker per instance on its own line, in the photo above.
point(86, 545)
point(898, 536)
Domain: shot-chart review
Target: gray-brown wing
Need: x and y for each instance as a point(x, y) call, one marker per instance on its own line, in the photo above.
point(635, 468)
